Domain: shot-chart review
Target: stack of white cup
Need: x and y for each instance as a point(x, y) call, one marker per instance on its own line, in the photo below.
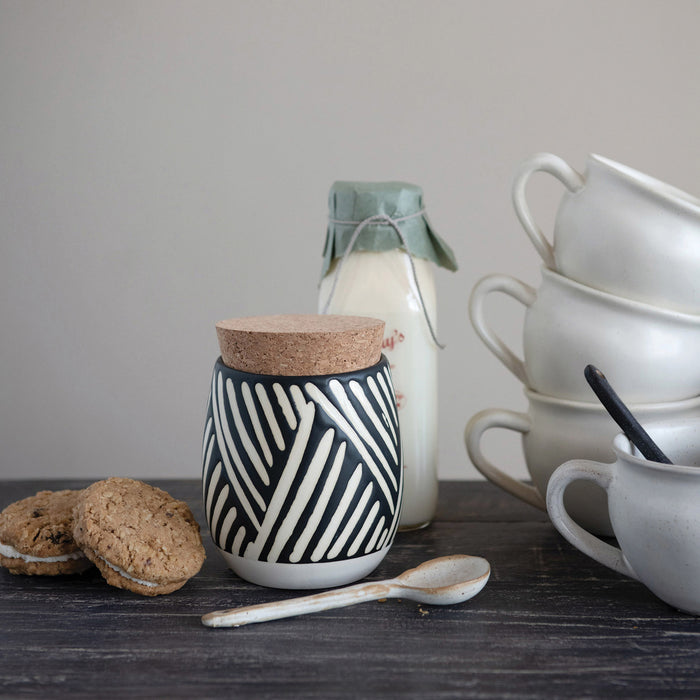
point(620, 290)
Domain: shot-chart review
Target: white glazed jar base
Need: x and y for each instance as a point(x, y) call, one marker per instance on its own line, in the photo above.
point(304, 576)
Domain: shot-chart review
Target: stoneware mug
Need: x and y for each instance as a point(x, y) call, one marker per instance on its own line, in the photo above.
point(554, 431)
point(648, 353)
point(302, 476)
point(618, 230)
point(654, 510)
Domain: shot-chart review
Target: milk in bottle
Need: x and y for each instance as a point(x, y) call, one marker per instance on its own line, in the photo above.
point(378, 261)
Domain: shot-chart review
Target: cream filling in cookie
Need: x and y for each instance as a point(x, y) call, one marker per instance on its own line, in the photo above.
point(123, 573)
point(12, 553)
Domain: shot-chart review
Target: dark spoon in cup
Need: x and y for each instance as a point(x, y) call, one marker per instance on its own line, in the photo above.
point(623, 417)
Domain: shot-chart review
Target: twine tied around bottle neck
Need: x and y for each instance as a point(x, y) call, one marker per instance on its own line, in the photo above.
point(394, 223)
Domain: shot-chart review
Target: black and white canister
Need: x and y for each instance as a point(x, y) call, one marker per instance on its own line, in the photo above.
point(302, 476)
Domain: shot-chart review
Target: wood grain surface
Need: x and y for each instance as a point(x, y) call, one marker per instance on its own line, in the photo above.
point(550, 623)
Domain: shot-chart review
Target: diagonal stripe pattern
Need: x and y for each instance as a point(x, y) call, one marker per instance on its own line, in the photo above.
point(302, 469)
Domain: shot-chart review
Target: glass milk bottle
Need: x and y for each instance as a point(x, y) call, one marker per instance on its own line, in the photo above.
point(378, 261)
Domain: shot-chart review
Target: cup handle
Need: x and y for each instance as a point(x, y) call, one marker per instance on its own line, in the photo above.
point(521, 292)
point(559, 168)
point(589, 544)
point(510, 420)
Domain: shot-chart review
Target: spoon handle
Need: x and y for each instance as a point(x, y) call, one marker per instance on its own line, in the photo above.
point(623, 417)
point(339, 598)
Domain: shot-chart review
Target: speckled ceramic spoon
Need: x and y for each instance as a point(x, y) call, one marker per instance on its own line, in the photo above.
point(442, 581)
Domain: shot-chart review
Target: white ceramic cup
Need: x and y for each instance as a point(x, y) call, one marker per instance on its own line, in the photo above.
point(554, 431)
point(654, 510)
point(618, 230)
point(649, 354)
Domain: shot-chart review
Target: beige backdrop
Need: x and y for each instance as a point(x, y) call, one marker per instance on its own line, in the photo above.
point(165, 164)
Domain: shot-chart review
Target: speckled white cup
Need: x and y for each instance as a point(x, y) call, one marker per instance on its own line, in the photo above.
point(654, 510)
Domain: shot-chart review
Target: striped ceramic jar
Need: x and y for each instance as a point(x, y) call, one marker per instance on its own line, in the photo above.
point(302, 476)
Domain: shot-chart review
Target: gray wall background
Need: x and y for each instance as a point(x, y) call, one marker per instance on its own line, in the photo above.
point(165, 164)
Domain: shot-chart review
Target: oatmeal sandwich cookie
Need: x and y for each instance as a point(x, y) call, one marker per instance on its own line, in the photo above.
point(139, 537)
point(36, 535)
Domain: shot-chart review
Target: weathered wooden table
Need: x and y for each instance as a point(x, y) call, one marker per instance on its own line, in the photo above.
point(550, 623)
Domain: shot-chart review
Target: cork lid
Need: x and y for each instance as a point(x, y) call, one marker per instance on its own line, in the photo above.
point(300, 345)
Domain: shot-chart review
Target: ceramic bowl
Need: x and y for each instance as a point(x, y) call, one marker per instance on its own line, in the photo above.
point(619, 230)
point(654, 510)
point(648, 353)
point(554, 431)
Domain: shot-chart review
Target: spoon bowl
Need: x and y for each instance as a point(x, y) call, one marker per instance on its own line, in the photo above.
point(442, 581)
